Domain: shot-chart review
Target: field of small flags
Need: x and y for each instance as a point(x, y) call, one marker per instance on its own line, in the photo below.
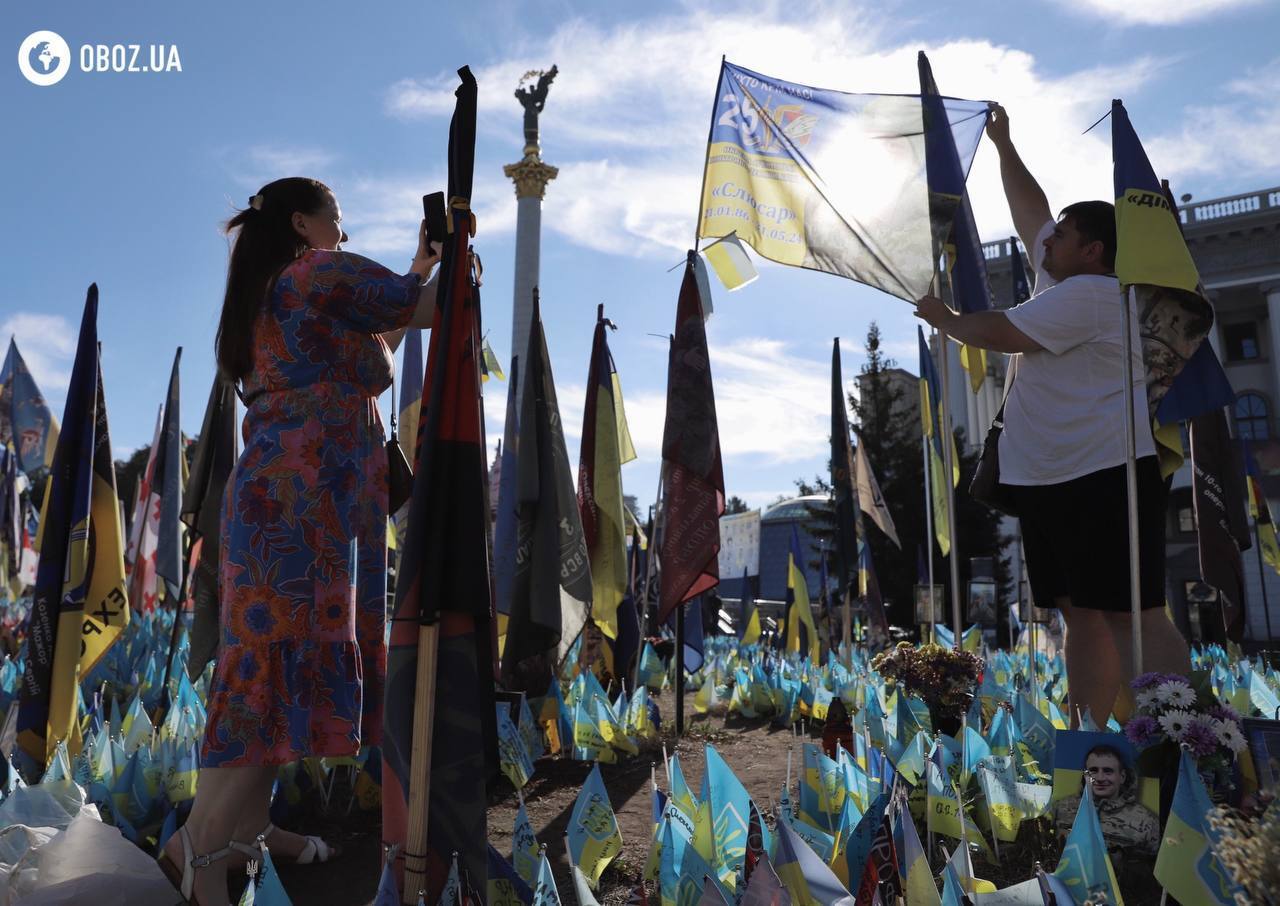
point(905, 810)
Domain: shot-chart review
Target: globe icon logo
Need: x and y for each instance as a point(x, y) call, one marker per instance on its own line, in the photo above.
point(44, 58)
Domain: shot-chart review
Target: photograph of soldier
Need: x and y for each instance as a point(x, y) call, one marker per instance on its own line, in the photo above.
point(982, 602)
point(1130, 829)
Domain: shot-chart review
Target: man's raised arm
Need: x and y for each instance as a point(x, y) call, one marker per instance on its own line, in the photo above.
point(1027, 202)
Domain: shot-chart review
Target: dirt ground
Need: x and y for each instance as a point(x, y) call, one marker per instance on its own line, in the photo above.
point(756, 750)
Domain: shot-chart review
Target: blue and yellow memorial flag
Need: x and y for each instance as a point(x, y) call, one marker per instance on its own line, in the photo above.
point(544, 890)
point(779, 176)
point(1153, 262)
point(594, 839)
point(1085, 868)
point(955, 233)
point(505, 887)
point(1260, 510)
point(731, 809)
point(78, 607)
point(513, 755)
point(1186, 865)
point(801, 633)
point(805, 876)
point(933, 423)
point(26, 421)
point(729, 260)
point(524, 846)
point(606, 446)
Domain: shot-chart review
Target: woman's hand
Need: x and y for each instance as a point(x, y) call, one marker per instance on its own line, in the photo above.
point(427, 256)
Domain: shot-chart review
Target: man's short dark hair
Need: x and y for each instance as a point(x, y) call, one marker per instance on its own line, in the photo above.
point(1095, 221)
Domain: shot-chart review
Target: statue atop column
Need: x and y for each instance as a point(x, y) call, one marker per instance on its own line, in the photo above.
point(533, 98)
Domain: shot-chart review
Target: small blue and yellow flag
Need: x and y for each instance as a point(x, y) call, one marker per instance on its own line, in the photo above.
point(1085, 868)
point(729, 260)
point(1186, 865)
point(594, 838)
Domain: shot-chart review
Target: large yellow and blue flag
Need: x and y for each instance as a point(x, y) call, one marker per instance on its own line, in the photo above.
point(606, 446)
point(26, 421)
point(932, 421)
point(954, 231)
point(1153, 262)
point(1186, 865)
point(79, 606)
point(594, 838)
point(778, 176)
point(801, 633)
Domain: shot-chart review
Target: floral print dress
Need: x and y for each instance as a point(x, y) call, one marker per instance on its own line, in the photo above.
point(301, 660)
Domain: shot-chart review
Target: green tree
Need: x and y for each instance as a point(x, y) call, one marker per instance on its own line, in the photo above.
point(888, 427)
point(735, 504)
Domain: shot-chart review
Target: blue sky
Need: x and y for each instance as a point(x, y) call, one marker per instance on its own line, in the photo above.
point(125, 178)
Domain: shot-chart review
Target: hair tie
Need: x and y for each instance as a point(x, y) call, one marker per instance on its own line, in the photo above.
point(256, 202)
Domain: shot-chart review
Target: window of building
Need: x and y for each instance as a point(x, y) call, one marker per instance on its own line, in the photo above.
point(1252, 418)
point(1241, 341)
point(1186, 519)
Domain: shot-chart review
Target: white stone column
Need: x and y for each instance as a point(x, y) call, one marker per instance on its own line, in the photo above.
point(530, 176)
point(1272, 292)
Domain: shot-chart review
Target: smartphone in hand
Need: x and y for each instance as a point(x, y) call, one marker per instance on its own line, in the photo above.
point(434, 211)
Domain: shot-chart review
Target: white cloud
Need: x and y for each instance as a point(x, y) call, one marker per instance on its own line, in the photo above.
point(630, 149)
point(1155, 12)
point(48, 346)
point(1239, 136)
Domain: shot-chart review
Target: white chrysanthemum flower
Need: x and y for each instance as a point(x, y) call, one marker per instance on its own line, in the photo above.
point(1176, 694)
point(1230, 736)
point(1175, 722)
point(1147, 700)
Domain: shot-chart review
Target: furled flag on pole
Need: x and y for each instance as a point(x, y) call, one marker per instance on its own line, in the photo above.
point(25, 418)
point(1222, 529)
point(551, 588)
point(729, 260)
point(955, 234)
point(167, 483)
point(140, 556)
point(79, 605)
point(778, 175)
point(443, 604)
point(1154, 264)
point(507, 515)
point(606, 446)
point(1260, 510)
point(211, 464)
point(693, 487)
point(870, 500)
point(842, 478)
point(931, 419)
point(801, 634)
point(410, 393)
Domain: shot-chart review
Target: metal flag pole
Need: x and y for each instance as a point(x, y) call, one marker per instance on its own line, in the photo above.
point(928, 535)
point(1131, 485)
point(949, 466)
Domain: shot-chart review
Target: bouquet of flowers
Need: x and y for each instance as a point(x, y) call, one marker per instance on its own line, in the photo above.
point(1172, 711)
point(944, 678)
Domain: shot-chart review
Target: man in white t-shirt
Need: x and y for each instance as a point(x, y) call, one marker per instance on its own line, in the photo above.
point(1063, 445)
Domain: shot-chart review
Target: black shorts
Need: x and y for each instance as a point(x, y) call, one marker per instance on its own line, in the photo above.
point(1075, 536)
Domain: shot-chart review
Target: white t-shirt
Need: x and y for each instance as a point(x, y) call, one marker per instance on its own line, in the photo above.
point(1064, 417)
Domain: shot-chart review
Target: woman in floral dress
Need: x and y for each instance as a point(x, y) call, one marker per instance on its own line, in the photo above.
point(307, 331)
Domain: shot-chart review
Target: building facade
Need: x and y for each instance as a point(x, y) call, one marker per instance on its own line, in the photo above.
point(1235, 242)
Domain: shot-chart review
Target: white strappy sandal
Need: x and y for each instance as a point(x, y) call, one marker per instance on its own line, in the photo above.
point(183, 877)
point(316, 849)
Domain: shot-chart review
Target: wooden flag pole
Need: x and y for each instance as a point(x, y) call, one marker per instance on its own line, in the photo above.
point(424, 713)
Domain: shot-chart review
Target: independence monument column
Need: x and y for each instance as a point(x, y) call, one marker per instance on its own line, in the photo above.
point(530, 176)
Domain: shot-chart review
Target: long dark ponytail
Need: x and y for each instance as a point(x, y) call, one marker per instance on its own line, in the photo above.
point(264, 244)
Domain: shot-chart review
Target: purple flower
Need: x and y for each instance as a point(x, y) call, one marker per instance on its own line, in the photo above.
point(1225, 712)
point(1148, 680)
point(1201, 737)
point(1140, 729)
